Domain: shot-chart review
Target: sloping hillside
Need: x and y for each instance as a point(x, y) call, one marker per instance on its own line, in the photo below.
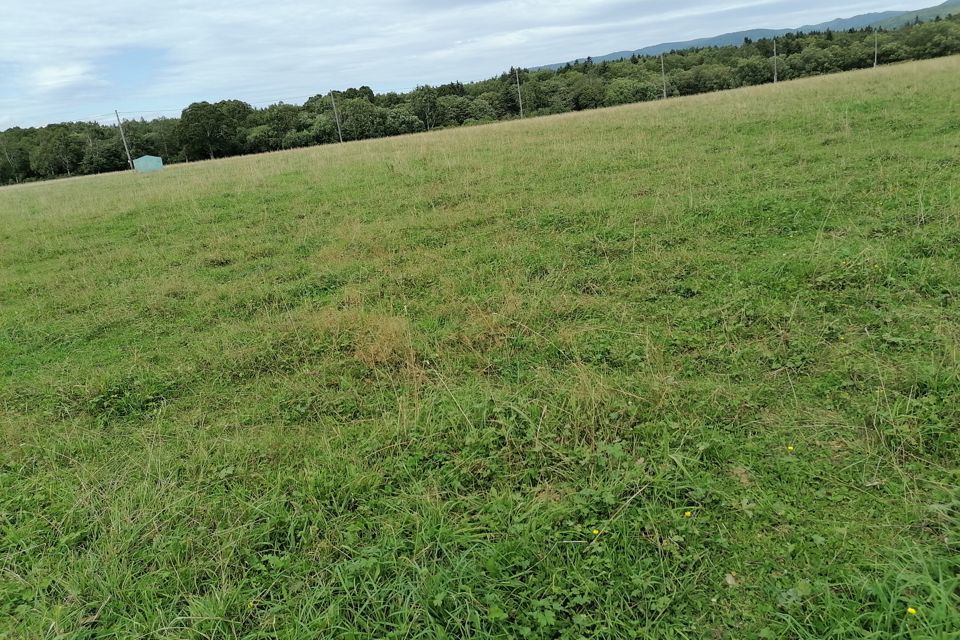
point(685, 369)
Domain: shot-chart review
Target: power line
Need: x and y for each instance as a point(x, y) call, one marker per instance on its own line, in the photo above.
point(106, 119)
point(252, 102)
point(153, 111)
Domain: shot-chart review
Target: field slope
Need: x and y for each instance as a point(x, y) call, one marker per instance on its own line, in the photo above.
point(675, 370)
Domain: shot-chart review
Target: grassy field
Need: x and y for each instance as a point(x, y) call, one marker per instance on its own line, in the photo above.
point(678, 370)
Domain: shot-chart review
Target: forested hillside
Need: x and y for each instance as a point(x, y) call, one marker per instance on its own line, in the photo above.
point(233, 127)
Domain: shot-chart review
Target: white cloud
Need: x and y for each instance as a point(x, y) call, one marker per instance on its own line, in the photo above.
point(64, 59)
point(63, 76)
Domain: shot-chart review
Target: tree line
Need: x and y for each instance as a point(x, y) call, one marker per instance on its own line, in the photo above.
point(233, 127)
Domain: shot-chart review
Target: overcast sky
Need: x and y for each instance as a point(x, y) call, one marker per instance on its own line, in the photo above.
point(80, 59)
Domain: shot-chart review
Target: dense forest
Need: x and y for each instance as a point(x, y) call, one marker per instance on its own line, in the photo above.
point(233, 127)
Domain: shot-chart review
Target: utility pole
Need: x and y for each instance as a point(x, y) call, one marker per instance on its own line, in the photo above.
point(336, 116)
point(519, 95)
point(663, 74)
point(876, 49)
point(776, 65)
point(124, 138)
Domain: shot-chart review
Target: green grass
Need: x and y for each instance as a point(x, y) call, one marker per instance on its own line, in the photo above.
point(389, 389)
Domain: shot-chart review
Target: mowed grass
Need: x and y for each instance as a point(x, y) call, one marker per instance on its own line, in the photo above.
point(679, 370)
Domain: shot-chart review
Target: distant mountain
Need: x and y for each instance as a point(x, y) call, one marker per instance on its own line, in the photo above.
point(884, 19)
point(925, 15)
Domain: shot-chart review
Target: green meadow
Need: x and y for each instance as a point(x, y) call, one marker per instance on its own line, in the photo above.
point(677, 370)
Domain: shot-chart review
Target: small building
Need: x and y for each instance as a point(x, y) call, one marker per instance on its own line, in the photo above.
point(146, 164)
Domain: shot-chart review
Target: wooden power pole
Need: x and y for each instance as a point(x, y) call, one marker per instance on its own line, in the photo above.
point(336, 116)
point(776, 62)
point(663, 74)
point(519, 95)
point(124, 138)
